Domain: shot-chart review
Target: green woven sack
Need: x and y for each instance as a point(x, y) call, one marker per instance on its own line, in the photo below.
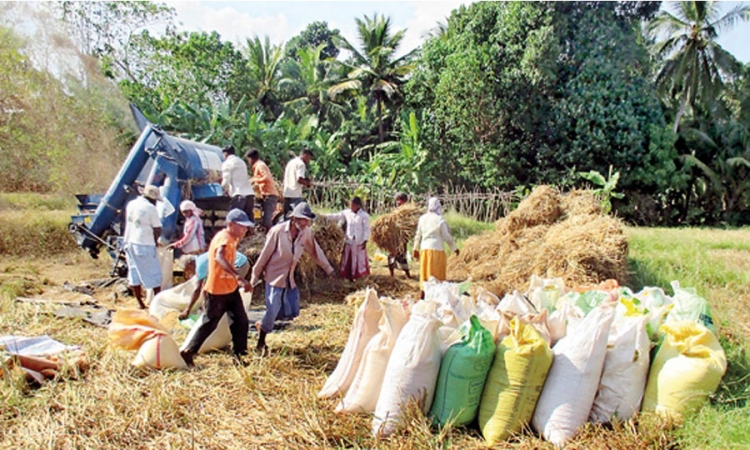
point(463, 372)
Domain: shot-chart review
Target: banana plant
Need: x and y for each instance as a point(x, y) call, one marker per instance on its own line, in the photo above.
point(605, 191)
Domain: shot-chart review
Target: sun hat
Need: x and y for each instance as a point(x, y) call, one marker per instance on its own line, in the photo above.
point(152, 192)
point(239, 217)
point(303, 211)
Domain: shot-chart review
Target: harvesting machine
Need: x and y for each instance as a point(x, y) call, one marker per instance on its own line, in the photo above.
point(182, 169)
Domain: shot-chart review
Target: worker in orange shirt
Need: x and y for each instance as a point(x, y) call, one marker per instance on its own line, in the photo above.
point(222, 288)
point(266, 188)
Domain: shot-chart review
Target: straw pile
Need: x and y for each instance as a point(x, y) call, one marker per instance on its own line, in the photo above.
point(327, 233)
point(251, 246)
point(393, 231)
point(331, 239)
point(548, 235)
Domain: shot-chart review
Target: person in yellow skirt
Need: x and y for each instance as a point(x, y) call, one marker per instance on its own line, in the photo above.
point(429, 244)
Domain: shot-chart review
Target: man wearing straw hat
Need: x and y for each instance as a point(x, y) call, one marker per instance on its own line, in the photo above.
point(142, 232)
point(281, 253)
point(222, 288)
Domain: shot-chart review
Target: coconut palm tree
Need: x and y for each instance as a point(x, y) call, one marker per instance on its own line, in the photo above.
point(374, 68)
point(695, 65)
point(263, 62)
point(309, 77)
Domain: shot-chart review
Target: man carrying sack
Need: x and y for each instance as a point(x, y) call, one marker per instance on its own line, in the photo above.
point(222, 288)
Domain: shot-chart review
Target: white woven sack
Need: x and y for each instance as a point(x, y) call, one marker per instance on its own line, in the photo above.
point(569, 391)
point(625, 371)
point(159, 352)
point(365, 326)
point(364, 390)
point(174, 299)
point(544, 292)
point(220, 338)
point(412, 369)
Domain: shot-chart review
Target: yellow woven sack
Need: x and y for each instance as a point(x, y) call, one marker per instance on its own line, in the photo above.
point(686, 370)
point(133, 329)
point(130, 328)
point(522, 361)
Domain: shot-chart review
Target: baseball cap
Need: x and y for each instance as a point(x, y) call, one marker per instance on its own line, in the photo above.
point(239, 217)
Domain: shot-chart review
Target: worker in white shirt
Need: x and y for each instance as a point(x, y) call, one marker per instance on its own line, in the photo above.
point(294, 180)
point(354, 261)
point(142, 232)
point(236, 182)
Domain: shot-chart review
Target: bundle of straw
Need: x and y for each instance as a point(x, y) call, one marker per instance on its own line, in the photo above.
point(331, 239)
point(393, 231)
point(548, 235)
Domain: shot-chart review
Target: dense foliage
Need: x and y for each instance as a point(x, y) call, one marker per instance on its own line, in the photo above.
point(505, 95)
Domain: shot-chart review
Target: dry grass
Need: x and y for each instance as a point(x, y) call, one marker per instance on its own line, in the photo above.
point(23, 233)
point(270, 403)
point(548, 235)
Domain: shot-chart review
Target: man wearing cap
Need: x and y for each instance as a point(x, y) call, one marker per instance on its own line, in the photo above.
point(295, 180)
point(281, 253)
point(222, 288)
point(236, 182)
point(142, 232)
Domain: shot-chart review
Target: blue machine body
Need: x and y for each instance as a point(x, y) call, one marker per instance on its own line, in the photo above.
point(182, 169)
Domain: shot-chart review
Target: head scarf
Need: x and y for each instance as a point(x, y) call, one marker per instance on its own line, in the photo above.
point(189, 205)
point(433, 206)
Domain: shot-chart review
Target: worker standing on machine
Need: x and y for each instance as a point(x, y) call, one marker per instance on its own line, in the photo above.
point(236, 182)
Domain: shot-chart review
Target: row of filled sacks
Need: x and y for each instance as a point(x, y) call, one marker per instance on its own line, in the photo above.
point(599, 371)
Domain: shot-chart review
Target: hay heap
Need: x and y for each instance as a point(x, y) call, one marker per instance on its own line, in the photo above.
point(331, 239)
point(549, 235)
point(393, 231)
point(251, 246)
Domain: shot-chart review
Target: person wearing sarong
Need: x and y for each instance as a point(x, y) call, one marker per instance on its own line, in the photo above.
point(398, 260)
point(429, 243)
point(281, 253)
point(354, 260)
point(142, 233)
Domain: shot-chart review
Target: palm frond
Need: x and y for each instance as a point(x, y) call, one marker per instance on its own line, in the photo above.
point(737, 14)
point(348, 85)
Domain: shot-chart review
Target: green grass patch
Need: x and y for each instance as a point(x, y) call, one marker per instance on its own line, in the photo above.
point(716, 263)
point(462, 227)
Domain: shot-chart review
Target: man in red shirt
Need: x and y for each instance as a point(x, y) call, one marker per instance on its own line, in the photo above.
point(222, 288)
